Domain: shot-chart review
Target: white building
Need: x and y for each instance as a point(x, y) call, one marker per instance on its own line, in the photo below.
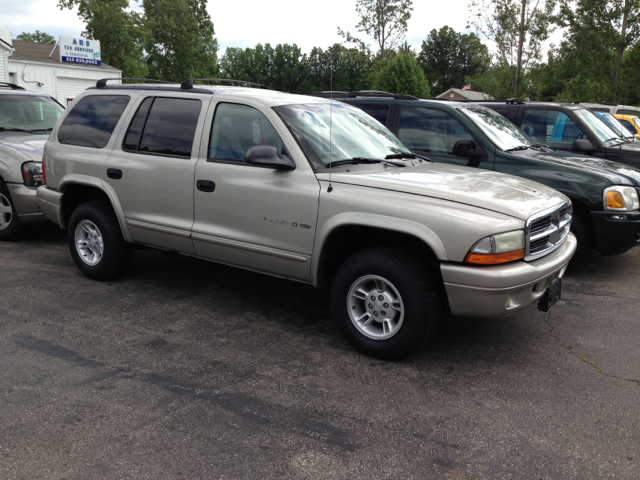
point(38, 67)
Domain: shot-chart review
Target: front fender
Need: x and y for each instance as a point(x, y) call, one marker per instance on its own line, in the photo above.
point(373, 220)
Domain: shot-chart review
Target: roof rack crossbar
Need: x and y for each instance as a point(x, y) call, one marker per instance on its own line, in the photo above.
point(188, 84)
point(363, 93)
point(12, 86)
point(103, 82)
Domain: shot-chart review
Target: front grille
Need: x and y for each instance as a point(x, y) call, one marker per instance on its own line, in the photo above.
point(546, 231)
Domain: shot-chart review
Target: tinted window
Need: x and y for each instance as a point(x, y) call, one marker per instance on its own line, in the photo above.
point(624, 111)
point(551, 127)
point(171, 127)
point(237, 128)
point(628, 126)
point(28, 112)
point(132, 140)
point(92, 120)
point(431, 131)
point(376, 110)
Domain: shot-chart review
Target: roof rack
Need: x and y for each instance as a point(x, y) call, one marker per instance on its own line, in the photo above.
point(363, 93)
point(188, 84)
point(12, 86)
point(102, 83)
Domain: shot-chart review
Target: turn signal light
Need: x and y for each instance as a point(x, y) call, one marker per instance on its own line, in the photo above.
point(615, 199)
point(494, 258)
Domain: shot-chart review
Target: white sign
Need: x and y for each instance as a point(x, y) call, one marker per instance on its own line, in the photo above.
point(79, 50)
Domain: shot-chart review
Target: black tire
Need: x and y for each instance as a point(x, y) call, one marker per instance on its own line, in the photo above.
point(417, 288)
point(116, 255)
point(11, 228)
point(580, 229)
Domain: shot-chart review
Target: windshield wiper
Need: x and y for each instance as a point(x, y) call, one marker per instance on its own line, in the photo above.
point(14, 129)
point(356, 160)
point(405, 155)
point(519, 147)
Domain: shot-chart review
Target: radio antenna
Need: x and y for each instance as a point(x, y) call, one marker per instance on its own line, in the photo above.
point(330, 187)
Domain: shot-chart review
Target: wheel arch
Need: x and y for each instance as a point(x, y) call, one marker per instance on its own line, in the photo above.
point(347, 234)
point(78, 189)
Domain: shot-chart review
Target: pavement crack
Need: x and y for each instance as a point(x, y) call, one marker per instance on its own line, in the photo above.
point(585, 360)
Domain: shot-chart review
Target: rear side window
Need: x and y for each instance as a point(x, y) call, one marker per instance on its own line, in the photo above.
point(164, 126)
point(623, 111)
point(376, 110)
point(92, 120)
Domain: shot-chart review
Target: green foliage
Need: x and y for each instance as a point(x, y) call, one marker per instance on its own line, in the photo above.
point(179, 41)
point(518, 27)
point(447, 57)
point(384, 20)
point(353, 69)
point(402, 75)
point(494, 80)
point(37, 36)
point(118, 29)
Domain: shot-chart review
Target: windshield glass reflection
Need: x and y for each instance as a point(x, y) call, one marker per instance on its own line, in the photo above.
point(504, 134)
point(353, 133)
point(615, 124)
point(596, 126)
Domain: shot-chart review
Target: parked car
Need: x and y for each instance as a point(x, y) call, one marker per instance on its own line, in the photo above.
point(612, 122)
point(26, 118)
point(468, 134)
point(568, 127)
point(613, 108)
point(631, 123)
point(304, 189)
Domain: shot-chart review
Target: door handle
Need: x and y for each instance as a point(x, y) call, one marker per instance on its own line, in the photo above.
point(205, 185)
point(114, 173)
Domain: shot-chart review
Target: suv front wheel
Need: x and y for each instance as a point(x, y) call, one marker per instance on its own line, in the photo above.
point(96, 242)
point(385, 302)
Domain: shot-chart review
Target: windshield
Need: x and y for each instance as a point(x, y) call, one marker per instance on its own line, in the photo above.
point(353, 133)
point(504, 134)
point(615, 124)
point(597, 127)
point(636, 121)
point(28, 112)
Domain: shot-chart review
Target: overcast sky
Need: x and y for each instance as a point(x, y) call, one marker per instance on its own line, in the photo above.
point(248, 22)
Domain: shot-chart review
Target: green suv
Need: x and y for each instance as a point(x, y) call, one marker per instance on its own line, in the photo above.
point(605, 194)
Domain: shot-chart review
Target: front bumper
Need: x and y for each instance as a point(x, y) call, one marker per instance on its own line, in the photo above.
point(501, 290)
point(50, 203)
point(25, 202)
point(616, 232)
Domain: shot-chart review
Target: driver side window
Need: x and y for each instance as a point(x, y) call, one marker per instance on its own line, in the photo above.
point(426, 130)
point(551, 127)
point(237, 128)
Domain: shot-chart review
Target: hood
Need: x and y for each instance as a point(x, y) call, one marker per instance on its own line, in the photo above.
point(514, 196)
point(616, 172)
point(630, 148)
point(30, 145)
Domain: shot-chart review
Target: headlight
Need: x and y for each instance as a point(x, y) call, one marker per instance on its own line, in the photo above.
point(621, 198)
point(32, 174)
point(500, 248)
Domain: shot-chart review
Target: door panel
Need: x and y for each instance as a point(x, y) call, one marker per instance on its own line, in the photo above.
point(156, 170)
point(258, 218)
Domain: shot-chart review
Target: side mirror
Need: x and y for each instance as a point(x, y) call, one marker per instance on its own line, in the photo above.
point(583, 146)
point(267, 156)
point(466, 148)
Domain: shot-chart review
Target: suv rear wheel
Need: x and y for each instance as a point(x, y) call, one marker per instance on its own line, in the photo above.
point(385, 302)
point(96, 242)
point(11, 228)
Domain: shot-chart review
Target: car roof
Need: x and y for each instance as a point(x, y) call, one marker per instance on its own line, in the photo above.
point(270, 98)
point(22, 92)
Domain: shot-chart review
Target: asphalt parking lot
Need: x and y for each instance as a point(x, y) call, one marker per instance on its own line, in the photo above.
point(188, 369)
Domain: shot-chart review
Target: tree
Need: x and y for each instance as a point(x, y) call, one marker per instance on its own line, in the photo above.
point(518, 27)
point(179, 41)
point(402, 75)
point(611, 25)
point(384, 20)
point(37, 36)
point(118, 29)
point(447, 57)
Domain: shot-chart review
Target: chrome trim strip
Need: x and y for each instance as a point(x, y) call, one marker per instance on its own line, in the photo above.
point(248, 247)
point(159, 228)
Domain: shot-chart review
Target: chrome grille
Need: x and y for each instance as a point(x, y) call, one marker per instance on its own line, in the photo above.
point(547, 230)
